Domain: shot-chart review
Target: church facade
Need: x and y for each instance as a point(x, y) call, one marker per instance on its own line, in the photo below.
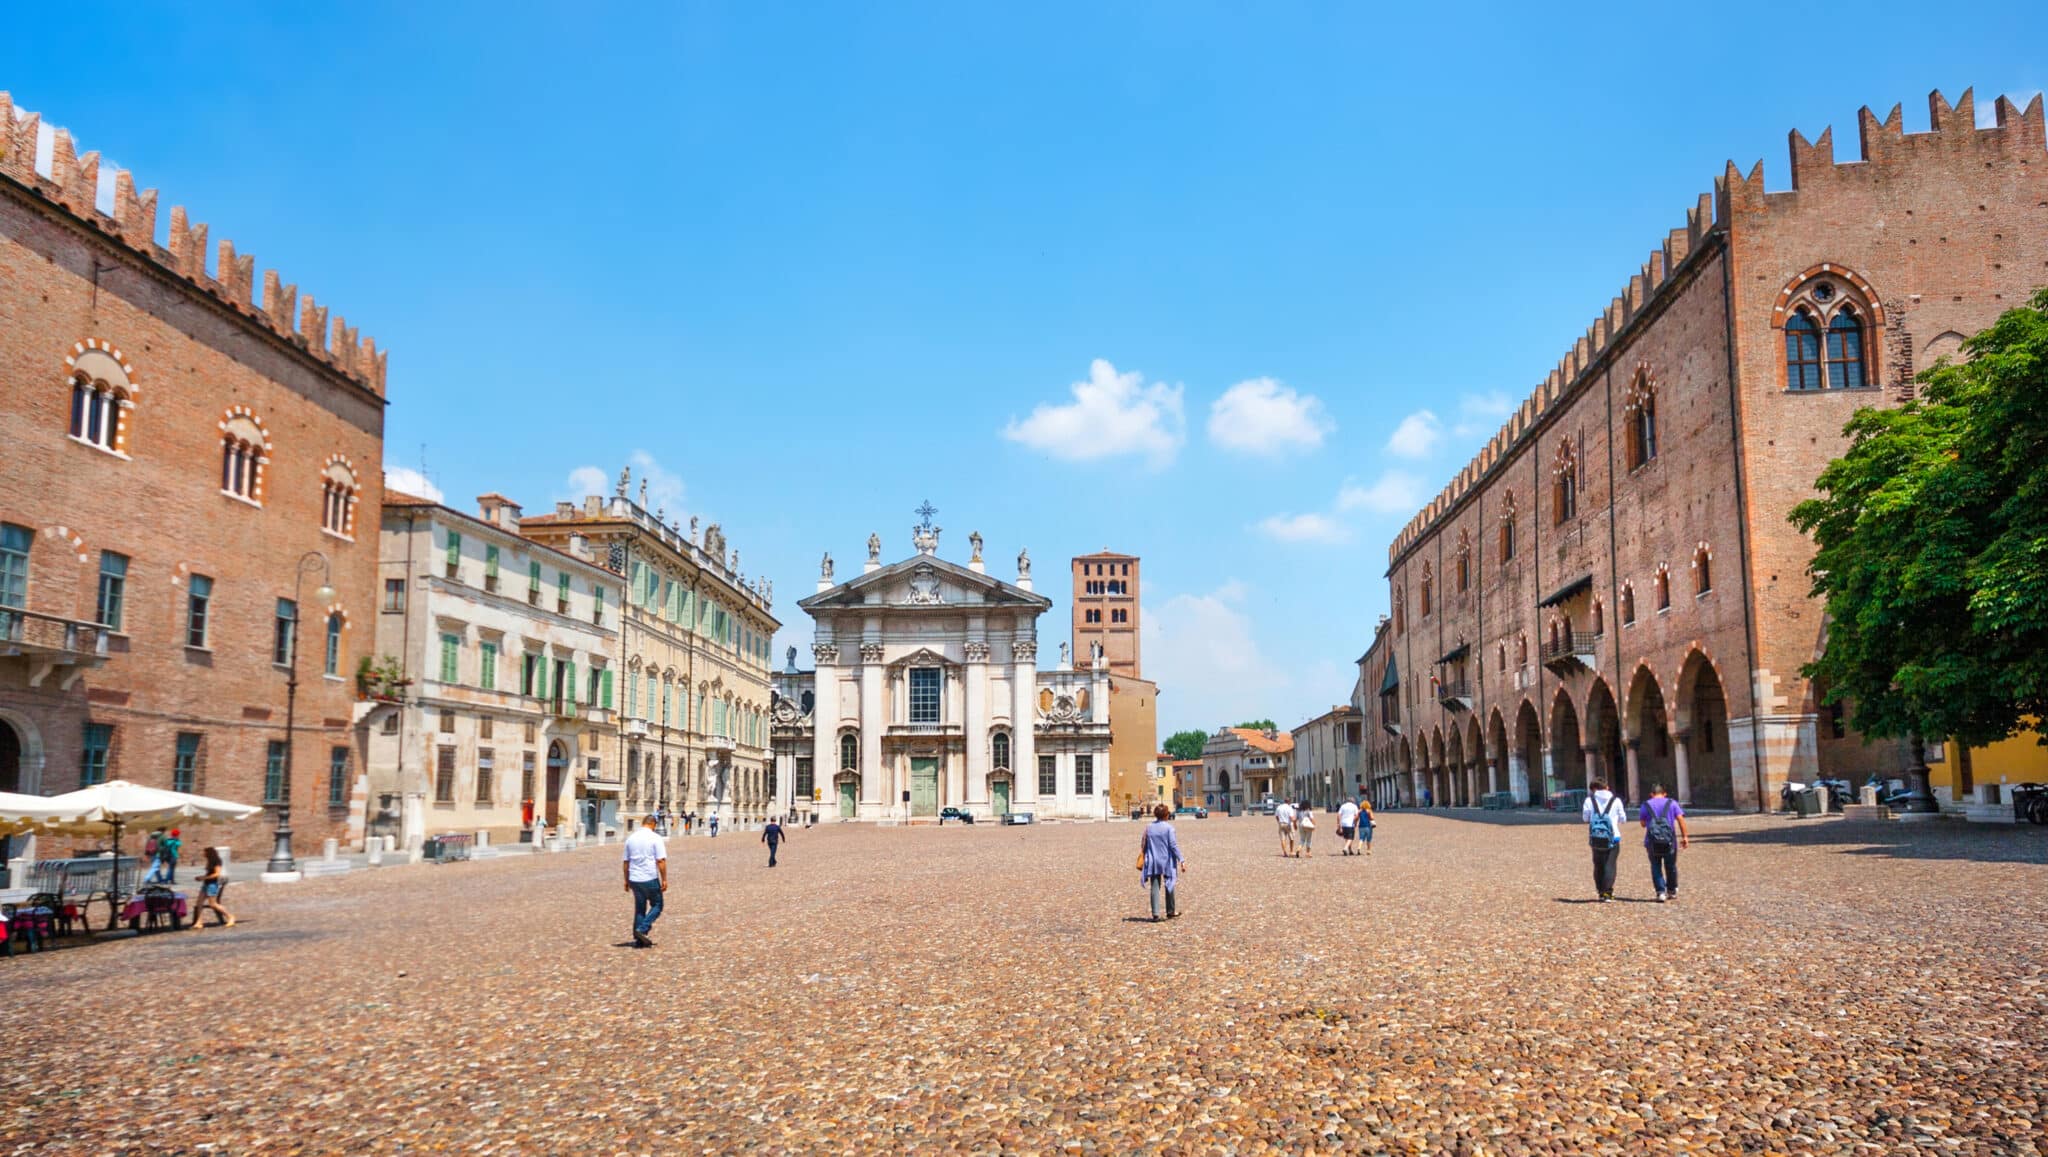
point(927, 695)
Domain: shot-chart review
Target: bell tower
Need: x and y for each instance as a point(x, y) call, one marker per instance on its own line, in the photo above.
point(1106, 588)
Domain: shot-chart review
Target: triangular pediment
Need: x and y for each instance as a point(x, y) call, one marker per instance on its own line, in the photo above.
point(926, 580)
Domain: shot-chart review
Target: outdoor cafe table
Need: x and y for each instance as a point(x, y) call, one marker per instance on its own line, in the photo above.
point(138, 907)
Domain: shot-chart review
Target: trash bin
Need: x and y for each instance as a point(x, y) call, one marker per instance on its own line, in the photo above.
point(1808, 802)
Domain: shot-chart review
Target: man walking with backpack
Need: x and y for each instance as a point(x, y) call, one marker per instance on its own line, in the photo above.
point(1664, 833)
point(1604, 814)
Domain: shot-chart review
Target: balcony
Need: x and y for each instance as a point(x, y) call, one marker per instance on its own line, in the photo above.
point(913, 730)
point(633, 726)
point(1457, 696)
point(1571, 648)
point(51, 645)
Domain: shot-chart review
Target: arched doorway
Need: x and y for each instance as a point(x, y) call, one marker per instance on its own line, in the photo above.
point(1498, 777)
point(10, 757)
point(1530, 787)
point(1404, 775)
point(1705, 724)
point(1222, 799)
point(1603, 735)
point(1567, 757)
point(1649, 728)
point(558, 773)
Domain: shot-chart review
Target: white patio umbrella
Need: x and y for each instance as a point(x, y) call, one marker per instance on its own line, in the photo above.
point(23, 813)
point(118, 804)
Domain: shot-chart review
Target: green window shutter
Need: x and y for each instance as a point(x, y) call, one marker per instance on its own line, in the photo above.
point(454, 549)
point(569, 685)
point(632, 691)
point(488, 679)
point(605, 687)
point(450, 657)
point(563, 586)
point(596, 601)
point(533, 576)
point(547, 689)
point(490, 562)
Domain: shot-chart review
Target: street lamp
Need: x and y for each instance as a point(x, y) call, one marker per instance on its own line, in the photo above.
point(282, 865)
point(1329, 801)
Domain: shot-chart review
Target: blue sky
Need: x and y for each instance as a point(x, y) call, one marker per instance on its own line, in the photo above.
point(1180, 280)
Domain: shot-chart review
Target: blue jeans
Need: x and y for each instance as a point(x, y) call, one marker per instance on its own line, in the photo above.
point(646, 905)
point(1664, 871)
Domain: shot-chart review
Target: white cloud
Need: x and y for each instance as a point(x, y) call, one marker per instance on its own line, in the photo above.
point(1416, 436)
point(409, 481)
point(584, 481)
point(1262, 416)
point(1219, 674)
point(1479, 415)
point(1112, 414)
point(1394, 492)
point(1310, 527)
point(664, 487)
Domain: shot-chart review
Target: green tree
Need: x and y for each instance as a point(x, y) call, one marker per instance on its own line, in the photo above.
point(1932, 540)
point(1185, 744)
point(1260, 725)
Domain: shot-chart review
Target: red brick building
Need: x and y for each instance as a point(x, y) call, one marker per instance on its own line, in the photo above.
point(1611, 587)
point(174, 450)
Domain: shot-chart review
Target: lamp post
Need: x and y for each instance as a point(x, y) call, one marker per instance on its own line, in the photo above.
point(282, 866)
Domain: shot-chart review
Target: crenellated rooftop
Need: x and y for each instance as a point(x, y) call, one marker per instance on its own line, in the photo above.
point(73, 182)
point(1884, 142)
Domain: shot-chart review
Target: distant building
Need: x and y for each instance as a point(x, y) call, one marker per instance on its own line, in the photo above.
point(1106, 610)
point(1377, 695)
point(1329, 757)
point(1186, 775)
point(1242, 766)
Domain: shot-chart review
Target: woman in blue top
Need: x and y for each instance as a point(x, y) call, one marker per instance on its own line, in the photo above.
point(1159, 860)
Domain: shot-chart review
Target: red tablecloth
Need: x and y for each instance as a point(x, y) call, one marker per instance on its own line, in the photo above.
point(138, 907)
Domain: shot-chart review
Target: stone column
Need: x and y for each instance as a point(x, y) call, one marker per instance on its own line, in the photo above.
point(1681, 766)
point(974, 728)
point(1024, 718)
point(1471, 783)
point(1549, 773)
point(1518, 777)
point(1596, 764)
point(875, 780)
point(1492, 776)
point(824, 728)
point(1635, 776)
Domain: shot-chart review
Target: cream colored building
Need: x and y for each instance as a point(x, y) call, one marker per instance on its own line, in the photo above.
point(694, 659)
point(927, 695)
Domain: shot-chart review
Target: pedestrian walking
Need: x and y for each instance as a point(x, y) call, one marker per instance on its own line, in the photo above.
point(714, 825)
point(1664, 833)
point(772, 835)
point(1366, 820)
point(211, 885)
point(167, 850)
point(1605, 815)
point(1305, 829)
point(1283, 812)
point(150, 857)
point(646, 868)
point(1347, 828)
point(1160, 862)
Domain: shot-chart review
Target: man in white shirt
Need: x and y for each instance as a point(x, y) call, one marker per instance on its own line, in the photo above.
point(1284, 813)
point(646, 865)
point(1347, 827)
point(1605, 816)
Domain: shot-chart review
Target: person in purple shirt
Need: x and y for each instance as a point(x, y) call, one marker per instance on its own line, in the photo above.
point(1664, 833)
point(1159, 860)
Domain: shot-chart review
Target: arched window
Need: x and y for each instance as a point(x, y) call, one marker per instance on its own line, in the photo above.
point(1702, 570)
point(245, 450)
point(1802, 352)
point(1639, 410)
point(333, 658)
point(101, 395)
point(1564, 484)
point(1507, 526)
point(1522, 650)
point(1628, 605)
point(1464, 561)
point(999, 750)
point(1400, 610)
point(849, 751)
point(1501, 655)
point(1599, 618)
point(1428, 583)
point(1845, 351)
point(1663, 588)
point(338, 497)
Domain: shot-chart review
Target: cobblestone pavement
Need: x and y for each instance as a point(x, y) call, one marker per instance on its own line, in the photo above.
point(1820, 988)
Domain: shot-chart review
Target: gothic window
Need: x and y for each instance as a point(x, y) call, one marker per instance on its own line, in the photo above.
point(331, 659)
point(1400, 611)
point(1464, 562)
point(1628, 604)
point(1702, 570)
point(1428, 583)
point(1639, 411)
point(1507, 527)
point(245, 450)
point(999, 751)
point(101, 395)
point(849, 751)
point(338, 499)
point(1845, 351)
point(1522, 650)
point(1599, 618)
point(1802, 352)
point(1564, 484)
point(1663, 588)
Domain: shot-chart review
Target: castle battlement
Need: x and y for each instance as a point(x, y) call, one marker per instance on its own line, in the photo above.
point(2018, 135)
point(73, 182)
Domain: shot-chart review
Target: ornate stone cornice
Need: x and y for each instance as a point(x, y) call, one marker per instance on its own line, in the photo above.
point(977, 652)
point(1025, 651)
point(871, 652)
point(825, 652)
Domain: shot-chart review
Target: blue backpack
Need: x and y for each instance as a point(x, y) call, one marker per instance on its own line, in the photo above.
point(1600, 829)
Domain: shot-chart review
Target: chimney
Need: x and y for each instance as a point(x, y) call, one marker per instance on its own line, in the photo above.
point(579, 546)
point(565, 510)
point(499, 511)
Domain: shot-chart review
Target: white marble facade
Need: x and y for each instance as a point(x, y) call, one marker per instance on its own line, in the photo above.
point(927, 695)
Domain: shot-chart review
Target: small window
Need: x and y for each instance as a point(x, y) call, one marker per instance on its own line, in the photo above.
point(444, 775)
point(14, 547)
point(243, 447)
point(1639, 411)
point(1084, 775)
point(113, 588)
point(490, 567)
point(1628, 605)
point(332, 665)
point(1522, 650)
point(337, 777)
point(274, 772)
point(1464, 562)
point(338, 497)
point(452, 559)
point(1702, 571)
point(999, 750)
point(198, 608)
point(1599, 618)
point(849, 751)
point(1663, 590)
point(391, 723)
point(284, 633)
point(1048, 776)
point(185, 763)
point(1507, 527)
point(394, 595)
point(1564, 486)
point(92, 760)
point(1802, 352)
point(1428, 586)
point(447, 722)
point(486, 775)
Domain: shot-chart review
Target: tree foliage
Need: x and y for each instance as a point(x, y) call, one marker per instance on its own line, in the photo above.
point(1185, 744)
point(1932, 541)
point(1260, 725)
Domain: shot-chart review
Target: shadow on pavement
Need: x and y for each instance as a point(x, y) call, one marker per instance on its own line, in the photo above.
point(1932, 840)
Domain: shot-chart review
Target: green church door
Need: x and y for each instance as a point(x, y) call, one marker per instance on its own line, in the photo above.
point(1000, 793)
point(924, 786)
point(848, 797)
